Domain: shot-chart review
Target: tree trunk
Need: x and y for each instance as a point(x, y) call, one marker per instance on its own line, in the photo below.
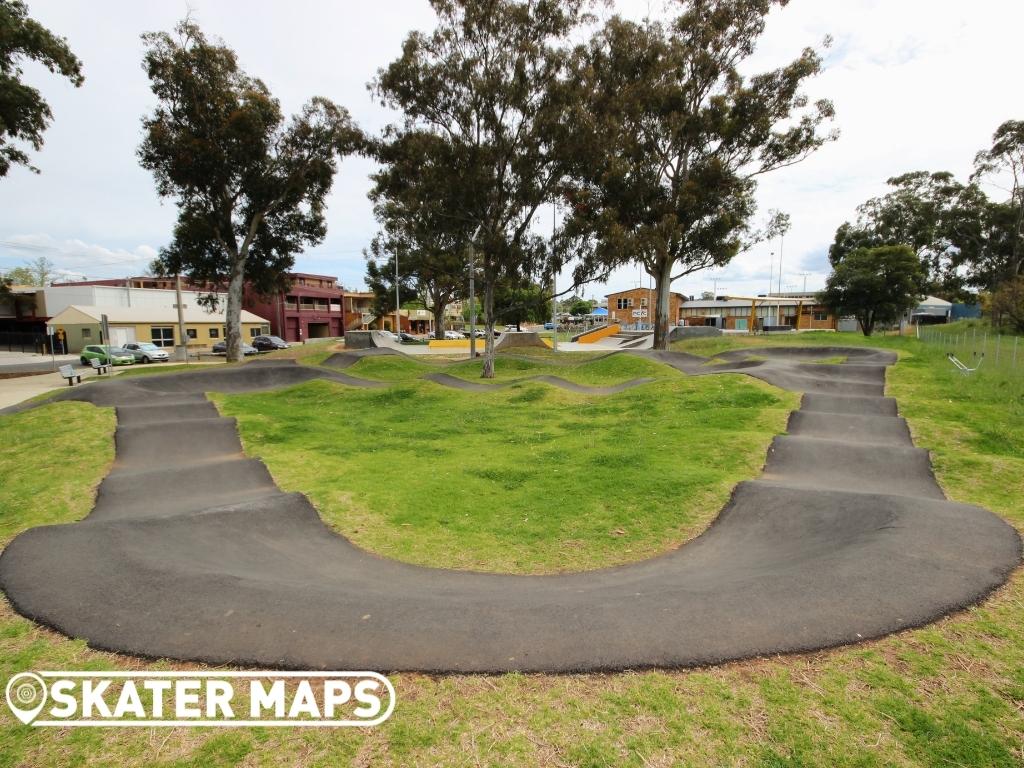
point(488, 371)
point(867, 323)
point(233, 312)
point(663, 289)
point(438, 312)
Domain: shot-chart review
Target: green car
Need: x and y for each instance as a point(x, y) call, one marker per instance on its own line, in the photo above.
point(107, 355)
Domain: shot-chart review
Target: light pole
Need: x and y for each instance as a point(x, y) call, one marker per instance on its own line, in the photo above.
point(398, 323)
point(554, 283)
point(472, 304)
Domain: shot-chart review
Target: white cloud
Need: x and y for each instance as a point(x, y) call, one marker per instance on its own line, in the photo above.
point(74, 258)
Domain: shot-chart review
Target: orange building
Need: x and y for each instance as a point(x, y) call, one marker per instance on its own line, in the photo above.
point(636, 306)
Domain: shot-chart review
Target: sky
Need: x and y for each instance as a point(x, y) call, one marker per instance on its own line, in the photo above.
point(917, 85)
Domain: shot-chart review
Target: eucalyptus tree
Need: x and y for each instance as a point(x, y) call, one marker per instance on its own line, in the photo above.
point(674, 137)
point(250, 188)
point(24, 113)
point(1005, 158)
point(875, 285)
point(492, 79)
point(412, 196)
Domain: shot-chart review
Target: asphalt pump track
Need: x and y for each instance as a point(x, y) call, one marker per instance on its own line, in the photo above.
point(191, 551)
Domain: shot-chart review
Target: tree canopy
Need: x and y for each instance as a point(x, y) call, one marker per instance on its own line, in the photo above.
point(492, 80)
point(412, 201)
point(39, 271)
point(24, 113)
point(250, 189)
point(875, 285)
point(673, 137)
point(965, 239)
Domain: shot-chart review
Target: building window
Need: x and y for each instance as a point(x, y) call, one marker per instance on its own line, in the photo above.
point(306, 303)
point(163, 336)
point(87, 333)
point(192, 333)
point(335, 305)
point(821, 315)
point(290, 302)
point(215, 333)
point(254, 332)
point(643, 301)
point(624, 303)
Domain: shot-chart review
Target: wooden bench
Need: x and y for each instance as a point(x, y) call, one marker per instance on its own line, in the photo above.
point(69, 373)
point(98, 366)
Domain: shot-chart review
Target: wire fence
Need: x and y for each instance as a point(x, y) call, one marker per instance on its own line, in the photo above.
point(979, 349)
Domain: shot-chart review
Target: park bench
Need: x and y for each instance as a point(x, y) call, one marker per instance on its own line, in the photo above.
point(98, 366)
point(69, 373)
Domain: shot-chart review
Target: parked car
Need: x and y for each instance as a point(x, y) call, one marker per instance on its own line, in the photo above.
point(221, 348)
point(107, 355)
point(454, 335)
point(389, 334)
point(269, 343)
point(479, 333)
point(408, 338)
point(147, 352)
point(549, 326)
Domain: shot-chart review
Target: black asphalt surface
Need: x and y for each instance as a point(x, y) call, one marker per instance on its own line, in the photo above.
point(193, 553)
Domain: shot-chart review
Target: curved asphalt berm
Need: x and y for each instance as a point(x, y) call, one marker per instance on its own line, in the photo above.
point(845, 537)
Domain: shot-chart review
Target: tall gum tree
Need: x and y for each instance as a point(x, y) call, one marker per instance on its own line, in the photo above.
point(24, 113)
point(1006, 157)
point(250, 188)
point(411, 196)
point(492, 79)
point(671, 143)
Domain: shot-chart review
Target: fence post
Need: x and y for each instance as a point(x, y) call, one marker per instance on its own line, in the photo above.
point(999, 342)
point(1015, 340)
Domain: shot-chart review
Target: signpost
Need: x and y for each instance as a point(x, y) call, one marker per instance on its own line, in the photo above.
point(53, 358)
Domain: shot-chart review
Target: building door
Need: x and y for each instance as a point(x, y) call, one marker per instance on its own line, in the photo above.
point(291, 329)
point(121, 336)
point(741, 323)
point(319, 330)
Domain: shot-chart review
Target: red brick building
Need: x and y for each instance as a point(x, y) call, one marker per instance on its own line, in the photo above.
point(310, 309)
point(637, 306)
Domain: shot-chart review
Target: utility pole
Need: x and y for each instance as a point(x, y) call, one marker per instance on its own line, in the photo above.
point(181, 318)
point(782, 243)
point(804, 276)
point(554, 284)
point(398, 322)
point(472, 303)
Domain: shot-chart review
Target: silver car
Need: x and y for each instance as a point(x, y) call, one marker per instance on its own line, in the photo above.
point(147, 352)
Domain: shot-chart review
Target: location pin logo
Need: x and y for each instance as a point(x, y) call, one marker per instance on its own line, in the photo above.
point(26, 695)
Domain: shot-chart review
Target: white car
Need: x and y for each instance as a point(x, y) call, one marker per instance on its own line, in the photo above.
point(147, 352)
point(389, 334)
point(453, 335)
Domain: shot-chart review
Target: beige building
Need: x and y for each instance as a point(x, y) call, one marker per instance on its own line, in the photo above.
point(83, 325)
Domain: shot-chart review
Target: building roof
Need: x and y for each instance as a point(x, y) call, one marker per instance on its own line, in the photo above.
point(79, 314)
point(934, 301)
point(771, 301)
point(641, 288)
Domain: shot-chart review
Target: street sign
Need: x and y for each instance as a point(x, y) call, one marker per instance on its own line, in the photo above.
point(639, 313)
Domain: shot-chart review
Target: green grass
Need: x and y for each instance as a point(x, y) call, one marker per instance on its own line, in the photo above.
point(526, 479)
point(949, 694)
